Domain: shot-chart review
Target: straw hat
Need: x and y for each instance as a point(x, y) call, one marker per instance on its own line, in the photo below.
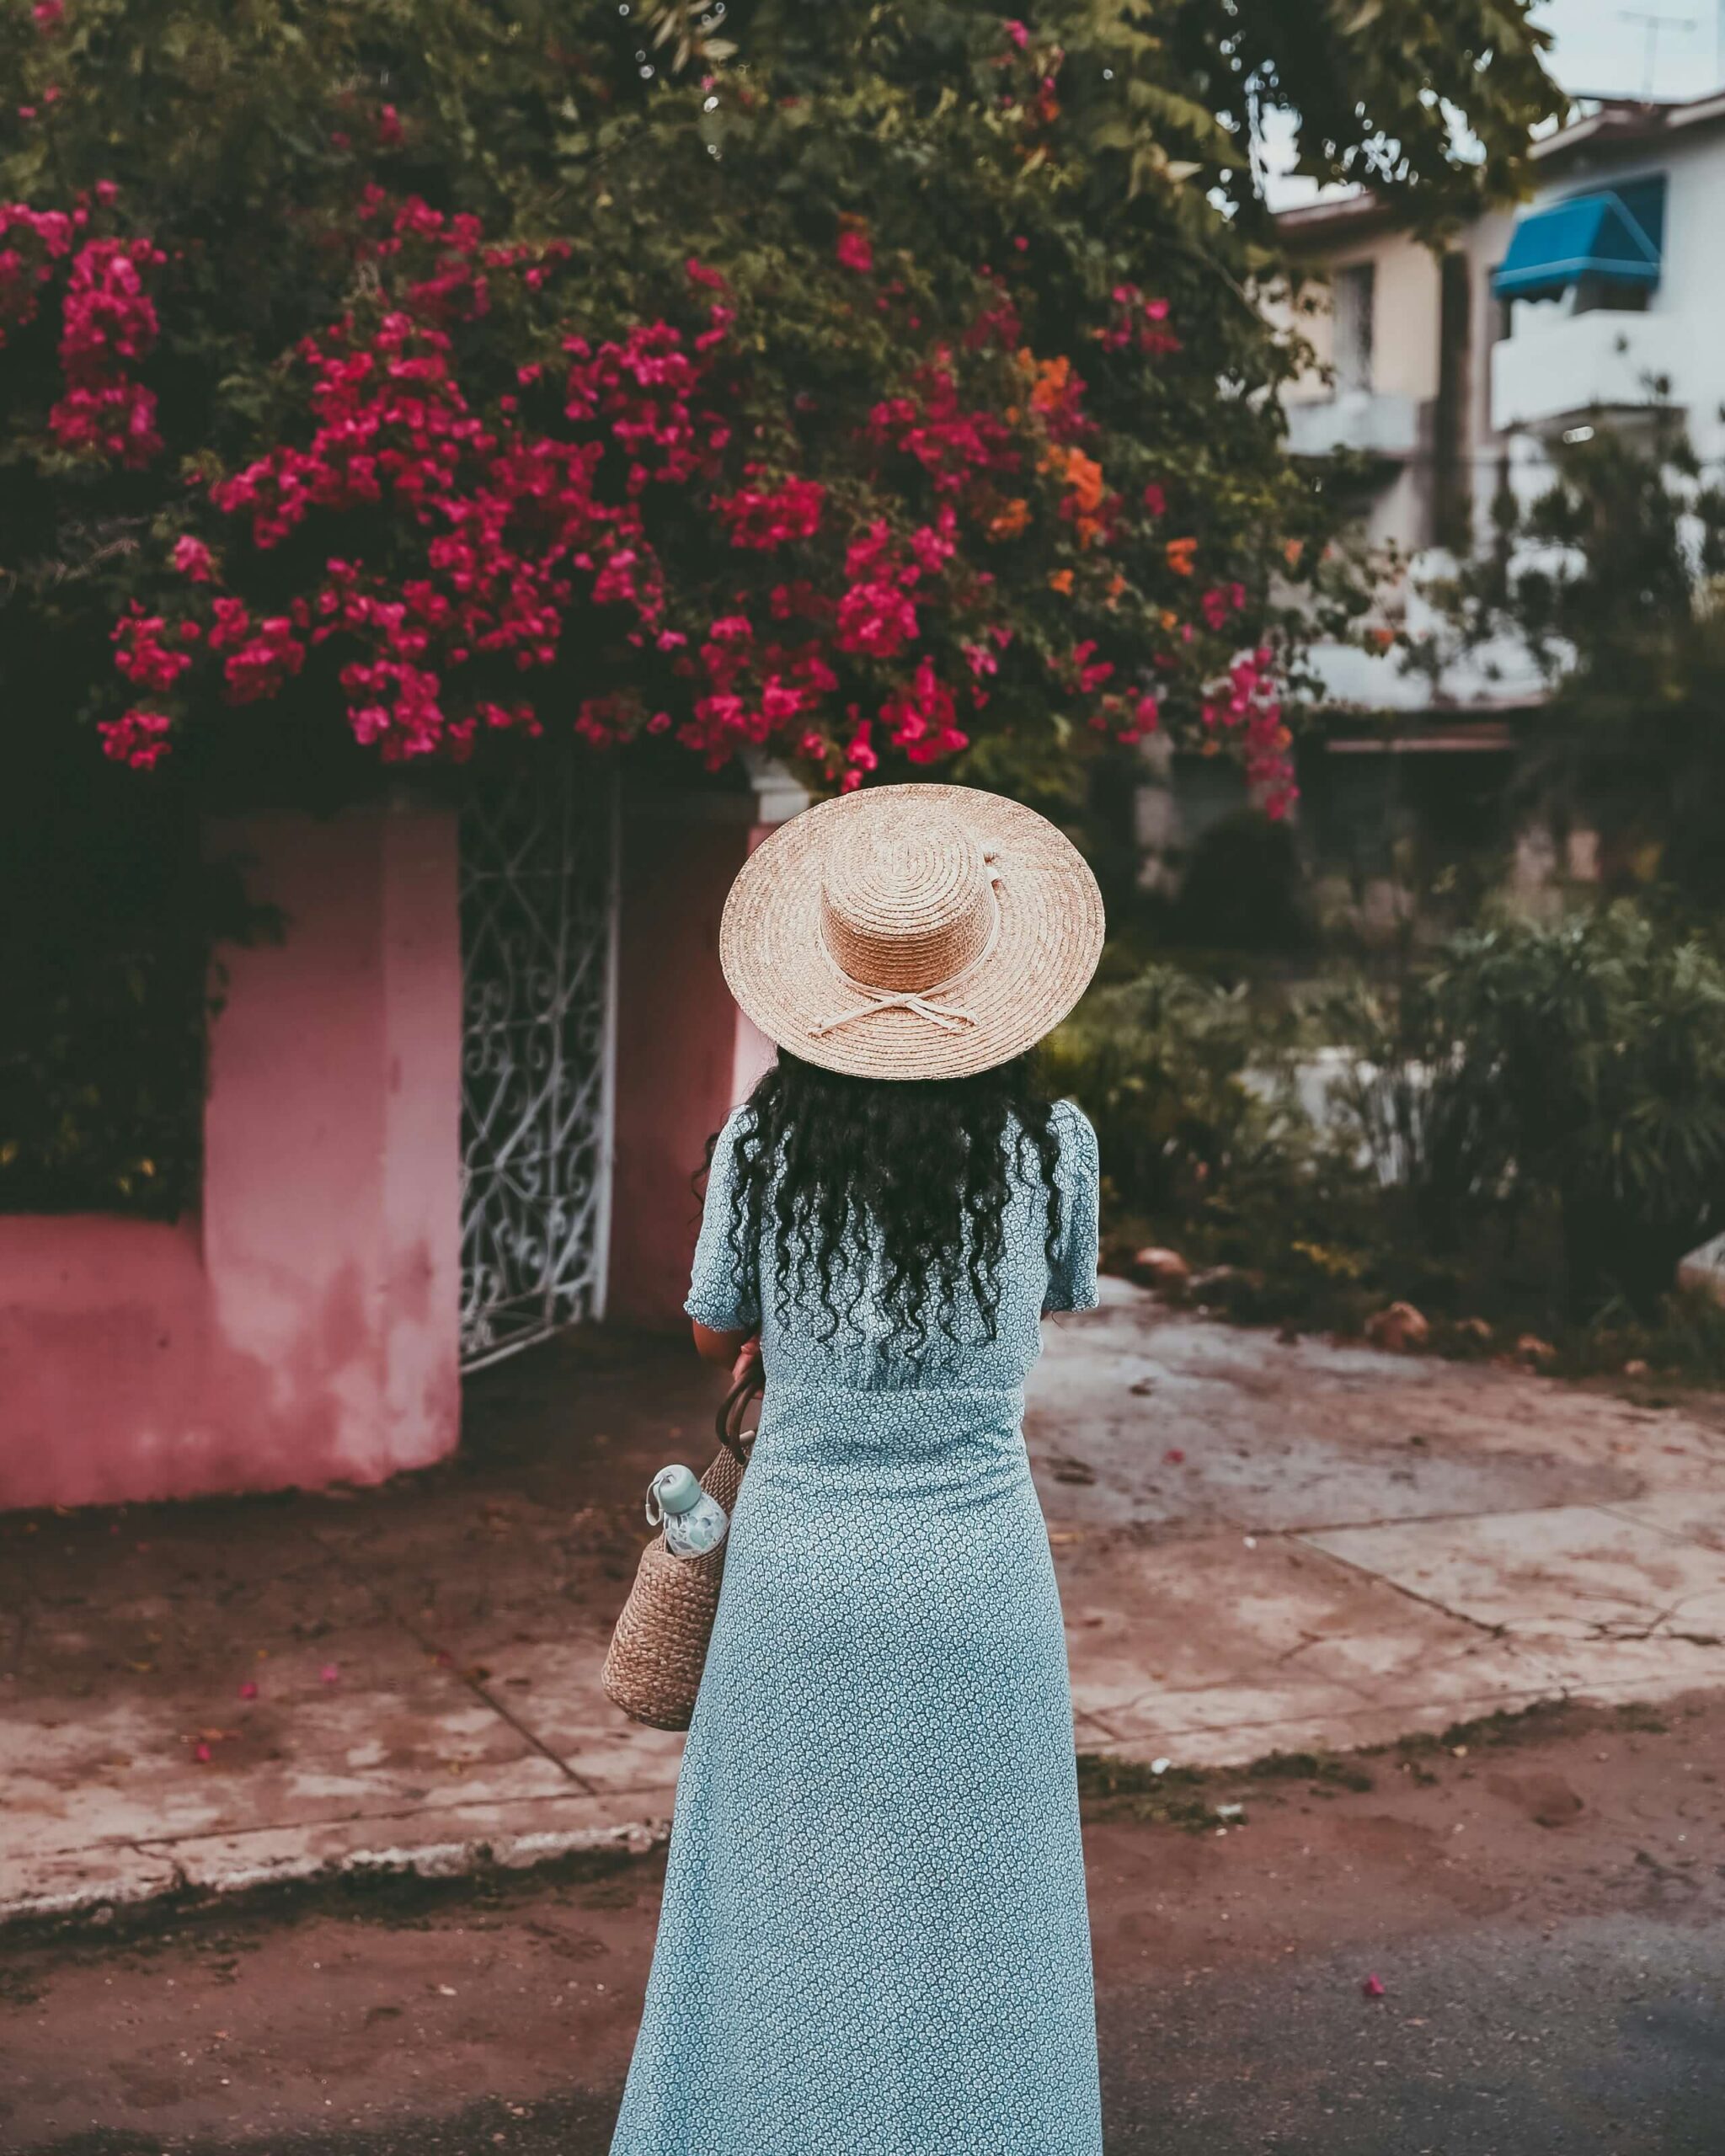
point(911, 931)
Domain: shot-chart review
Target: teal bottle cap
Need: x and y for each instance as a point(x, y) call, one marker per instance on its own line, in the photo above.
point(677, 1489)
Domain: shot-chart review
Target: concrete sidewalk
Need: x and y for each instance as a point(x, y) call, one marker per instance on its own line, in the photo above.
point(1262, 1546)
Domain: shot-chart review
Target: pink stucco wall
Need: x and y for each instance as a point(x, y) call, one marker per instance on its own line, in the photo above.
point(302, 1328)
point(677, 1051)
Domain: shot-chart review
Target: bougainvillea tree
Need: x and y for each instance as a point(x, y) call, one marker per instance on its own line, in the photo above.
point(864, 383)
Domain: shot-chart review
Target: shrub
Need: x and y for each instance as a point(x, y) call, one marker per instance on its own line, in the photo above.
point(1531, 1129)
point(1580, 1065)
point(1163, 1064)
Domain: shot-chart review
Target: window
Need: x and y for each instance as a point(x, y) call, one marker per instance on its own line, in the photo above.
point(1355, 291)
point(1607, 295)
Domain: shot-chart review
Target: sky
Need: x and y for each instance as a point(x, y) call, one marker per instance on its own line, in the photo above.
point(1600, 49)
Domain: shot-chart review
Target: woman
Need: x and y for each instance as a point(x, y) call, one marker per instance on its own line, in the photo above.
point(874, 1939)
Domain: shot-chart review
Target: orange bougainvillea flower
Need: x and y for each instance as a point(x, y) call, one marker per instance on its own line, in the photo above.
point(1117, 584)
point(1051, 385)
point(1011, 520)
point(1084, 478)
point(1061, 581)
point(1180, 554)
point(1169, 619)
point(1291, 551)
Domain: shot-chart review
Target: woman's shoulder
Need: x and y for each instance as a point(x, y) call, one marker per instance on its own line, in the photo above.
point(1075, 1132)
point(723, 1162)
point(1075, 1141)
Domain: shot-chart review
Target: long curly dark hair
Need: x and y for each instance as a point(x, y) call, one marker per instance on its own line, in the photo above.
point(822, 1157)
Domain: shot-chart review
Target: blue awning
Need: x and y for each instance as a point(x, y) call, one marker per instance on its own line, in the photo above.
point(1588, 236)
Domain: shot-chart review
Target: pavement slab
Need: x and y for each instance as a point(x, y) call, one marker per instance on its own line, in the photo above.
point(1227, 1637)
point(1692, 1515)
point(388, 1730)
point(1183, 1422)
point(1573, 1572)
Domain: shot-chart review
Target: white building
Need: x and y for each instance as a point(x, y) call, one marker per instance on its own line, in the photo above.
point(1614, 277)
point(1448, 372)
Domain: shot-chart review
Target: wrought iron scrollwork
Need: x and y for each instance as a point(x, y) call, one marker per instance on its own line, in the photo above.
point(538, 912)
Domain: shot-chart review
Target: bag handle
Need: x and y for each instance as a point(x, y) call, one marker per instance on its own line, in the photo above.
point(731, 1411)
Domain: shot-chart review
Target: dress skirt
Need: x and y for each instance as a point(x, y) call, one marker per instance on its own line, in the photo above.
point(874, 1939)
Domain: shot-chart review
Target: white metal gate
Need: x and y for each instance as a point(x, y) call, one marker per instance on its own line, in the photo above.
point(538, 906)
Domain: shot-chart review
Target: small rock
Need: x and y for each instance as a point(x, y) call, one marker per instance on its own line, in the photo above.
point(1475, 1329)
point(1073, 1470)
point(1401, 1328)
point(1635, 1367)
point(1530, 1348)
point(1155, 1267)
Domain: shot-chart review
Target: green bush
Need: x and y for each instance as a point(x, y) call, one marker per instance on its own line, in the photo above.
point(1161, 1064)
point(1578, 1067)
point(1528, 1131)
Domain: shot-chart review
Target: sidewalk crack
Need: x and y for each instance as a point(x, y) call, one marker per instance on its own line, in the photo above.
point(476, 1685)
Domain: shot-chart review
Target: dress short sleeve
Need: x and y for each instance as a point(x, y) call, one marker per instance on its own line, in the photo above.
point(719, 1294)
point(1072, 1284)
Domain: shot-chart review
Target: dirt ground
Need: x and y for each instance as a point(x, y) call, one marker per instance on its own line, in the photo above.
point(1504, 1943)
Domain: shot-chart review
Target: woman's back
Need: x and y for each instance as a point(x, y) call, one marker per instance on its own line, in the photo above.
point(849, 1338)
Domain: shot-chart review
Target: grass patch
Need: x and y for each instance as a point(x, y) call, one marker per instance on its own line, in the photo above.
point(1200, 1799)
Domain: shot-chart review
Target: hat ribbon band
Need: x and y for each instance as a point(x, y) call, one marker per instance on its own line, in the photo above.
point(950, 1018)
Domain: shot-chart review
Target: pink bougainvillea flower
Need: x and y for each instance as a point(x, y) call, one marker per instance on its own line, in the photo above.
point(249, 1690)
point(1373, 1987)
point(466, 537)
point(191, 557)
point(764, 517)
point(139, 739)
point(329, 1674)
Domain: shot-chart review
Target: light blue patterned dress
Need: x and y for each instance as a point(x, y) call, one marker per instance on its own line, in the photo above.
point(874, 1939)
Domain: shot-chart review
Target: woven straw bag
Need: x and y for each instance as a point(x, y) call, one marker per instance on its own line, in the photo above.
point(658, 1646)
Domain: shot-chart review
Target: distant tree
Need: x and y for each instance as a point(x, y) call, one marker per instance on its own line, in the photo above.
point(1613, 579)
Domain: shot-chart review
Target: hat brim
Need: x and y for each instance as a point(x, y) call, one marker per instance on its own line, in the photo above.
point(1050, 939)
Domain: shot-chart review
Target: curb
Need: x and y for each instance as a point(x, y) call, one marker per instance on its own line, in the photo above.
point(154, 1884)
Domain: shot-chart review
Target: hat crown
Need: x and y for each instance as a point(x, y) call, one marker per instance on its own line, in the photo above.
point(907, 902)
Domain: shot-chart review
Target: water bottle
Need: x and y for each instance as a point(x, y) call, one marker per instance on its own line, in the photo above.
point(694, 1522)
